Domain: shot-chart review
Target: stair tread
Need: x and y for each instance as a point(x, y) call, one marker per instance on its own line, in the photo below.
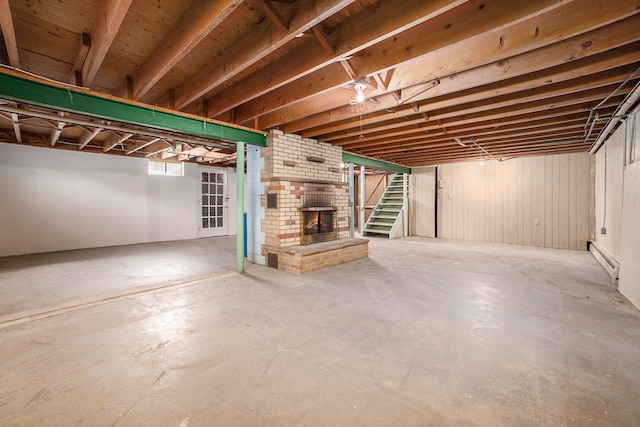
point(377, 231)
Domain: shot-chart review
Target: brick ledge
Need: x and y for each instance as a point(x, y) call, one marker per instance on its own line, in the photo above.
point(315, 248)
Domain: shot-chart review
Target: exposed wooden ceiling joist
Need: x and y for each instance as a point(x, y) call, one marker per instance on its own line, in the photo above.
point(8, 33)
point(199, 20)
point(110, 17)
point(521, 77)
point(250, 50)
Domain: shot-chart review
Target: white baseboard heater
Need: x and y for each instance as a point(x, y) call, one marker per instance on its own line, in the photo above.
point(607, 261)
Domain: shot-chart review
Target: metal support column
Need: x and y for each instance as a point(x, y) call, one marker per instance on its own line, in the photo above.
point(405, 204)
point(362, 199)
point(352, 214)
point(240, 206)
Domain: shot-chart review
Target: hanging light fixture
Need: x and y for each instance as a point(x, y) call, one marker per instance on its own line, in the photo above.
point(360, 87)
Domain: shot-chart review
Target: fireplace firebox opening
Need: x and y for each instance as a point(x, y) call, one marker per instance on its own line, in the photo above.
point(318, 224)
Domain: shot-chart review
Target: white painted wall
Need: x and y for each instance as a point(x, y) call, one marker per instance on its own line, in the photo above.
point(621, 191)
point(53, 200)
point(629, 281)
point(608, 198)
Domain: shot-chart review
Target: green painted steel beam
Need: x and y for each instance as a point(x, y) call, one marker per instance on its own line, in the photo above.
point(240, 207)
point(20, 89)
point(372, 163)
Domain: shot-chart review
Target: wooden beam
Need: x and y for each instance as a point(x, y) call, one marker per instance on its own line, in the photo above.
point(601, 49)
point(9, 34)
point(323, 39)
point(114, 140)
point(272, 13)
point(470, 21)
point(87, 137)
point(83, 51)
point(140, 145)
point(380, 21)
point(109, 18)
point(498, 117)
point(429, 60)
point(202, 17)
point(55, 135)
point(15, 121)
point(573, 130)
point(250, 49)
point(348, 69)
point(157, 148)
point(452, 106)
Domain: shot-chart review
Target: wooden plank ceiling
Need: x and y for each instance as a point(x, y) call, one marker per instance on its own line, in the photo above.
point(444, 80)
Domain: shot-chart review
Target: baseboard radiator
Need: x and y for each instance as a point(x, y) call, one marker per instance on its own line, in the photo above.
point(607, 261)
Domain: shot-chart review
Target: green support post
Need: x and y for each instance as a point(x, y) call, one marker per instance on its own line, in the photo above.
point(352, 214)
point(240, 206)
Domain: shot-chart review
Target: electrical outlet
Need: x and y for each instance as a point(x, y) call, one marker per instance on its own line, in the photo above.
point(537, 221)
point(603, 230)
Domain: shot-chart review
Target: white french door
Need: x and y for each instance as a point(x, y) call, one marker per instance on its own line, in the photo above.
point(214, 203)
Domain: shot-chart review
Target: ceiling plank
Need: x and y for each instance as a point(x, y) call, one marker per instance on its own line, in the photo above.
point(9, 34)
point(110, 17)
point(202, 17)
point(255, 47)
point(376, 23)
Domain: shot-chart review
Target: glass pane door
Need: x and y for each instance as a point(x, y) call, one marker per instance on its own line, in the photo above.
point(213, 203)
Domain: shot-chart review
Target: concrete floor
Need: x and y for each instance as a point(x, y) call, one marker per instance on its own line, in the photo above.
point(424, 332)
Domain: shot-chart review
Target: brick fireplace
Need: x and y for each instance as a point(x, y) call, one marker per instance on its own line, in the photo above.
point(303, 211)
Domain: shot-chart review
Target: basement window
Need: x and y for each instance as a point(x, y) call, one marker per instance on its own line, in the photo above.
point(166, 168)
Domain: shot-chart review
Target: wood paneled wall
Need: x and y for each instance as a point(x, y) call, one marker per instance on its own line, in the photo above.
point(422, 193)
point(375, 186)
point(544, 201)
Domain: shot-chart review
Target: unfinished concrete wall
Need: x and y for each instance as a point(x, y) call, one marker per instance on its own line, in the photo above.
point(534, 201)
point(55, 200)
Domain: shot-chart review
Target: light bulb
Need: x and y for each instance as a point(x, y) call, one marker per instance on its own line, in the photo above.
point(360, 87)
